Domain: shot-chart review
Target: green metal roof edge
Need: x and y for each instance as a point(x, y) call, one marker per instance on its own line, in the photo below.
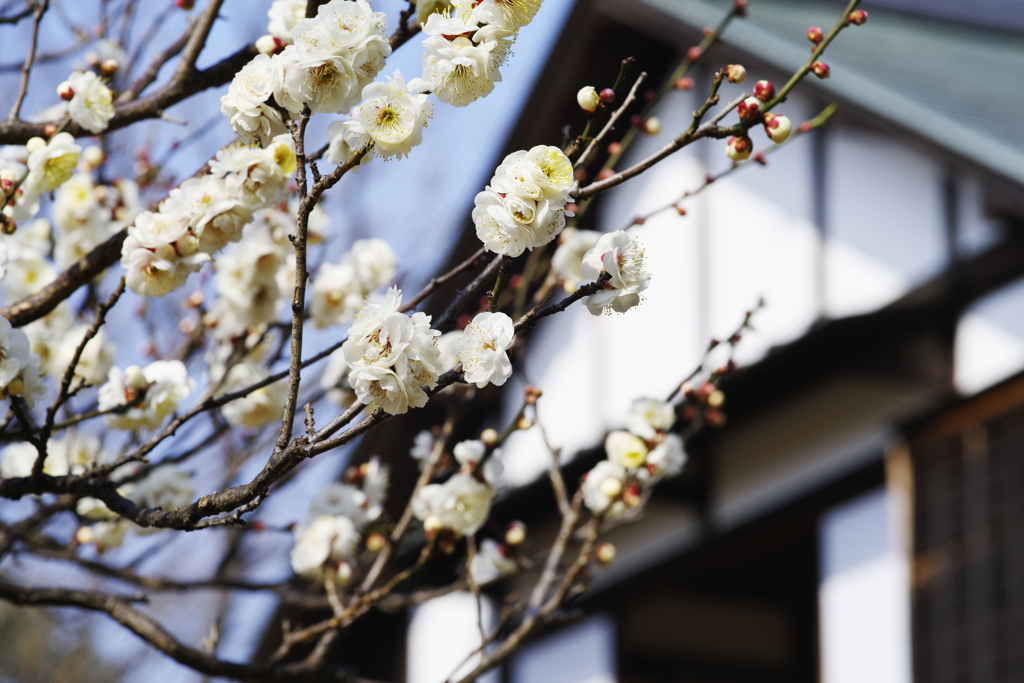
point(860, 90)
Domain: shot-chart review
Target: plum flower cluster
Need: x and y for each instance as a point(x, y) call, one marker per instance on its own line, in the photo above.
point(523, 207)
point(329, 60)
point(392, 356)
point(331, 537)
point(143, 397)
point(19, 367)
point(621, 258)
point(637, 459)
point(204, 214)
point(482, 349)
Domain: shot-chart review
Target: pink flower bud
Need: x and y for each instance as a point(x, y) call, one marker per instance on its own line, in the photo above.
point(821, 69)
point(375, 542)
point(739, 148)
point(815, 35)
point(50, 129)
point(858, 17)
point(607, 95)
point(108, 68)
point(684, 83)
point(694, 53)
point(740, 7)
point(605, 174)
point(764, 90)
point(65, 91)
point(735, 73)
point(614, 148)
point(185, 4)
point(652, 125)
point(605, 553)
point(777, 127)
point(588, 99)
point(267, 45)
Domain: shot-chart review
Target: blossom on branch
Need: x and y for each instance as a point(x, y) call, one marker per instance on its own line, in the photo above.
point(91, 105)
point(153, 393)
point(622, 258)
point(391, 117)
point(482, 349)
point(460, 504)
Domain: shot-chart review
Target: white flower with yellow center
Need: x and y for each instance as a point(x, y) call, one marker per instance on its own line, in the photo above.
point(510, 15)
point(257, 177)
point(461, 504)
point(155, 229)
point(335, 296)
point(319, 79)
point(459, 62)
point(76, 204)
point(257, 408)
point(603, 485)
point(284, 15)
point(392, 117)
point(625, 449)
point(510, 224)
point(665, 460)
point(214, 213)
point(329, 539)
point(162, 385)
point(543, 171)
point(246, 103)
point(482, 349)
point(92, 106)
point(622, 257)
point(648, 416)
point(51, 164)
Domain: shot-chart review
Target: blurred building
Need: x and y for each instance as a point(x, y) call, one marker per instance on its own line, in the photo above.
point(861, 516)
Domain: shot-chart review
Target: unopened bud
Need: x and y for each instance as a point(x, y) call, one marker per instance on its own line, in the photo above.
point(735, 73)
point(188, 325)
point(16, 386)
point(532, 394)
point(684, 83)
point(764, 90)
point(739, 148)
point(267, 45)
point(680, 210)
point(857, 16)
point(715, 417)
point(605, 553)
point(187, 245)
point(195, 299)
point(85, 535)
point(614, 148)
point(186, 5)
point(821, 69)
point(34, 144)
point(489, 437)
point(815, 35)
point(515, 534)
point(631, 495)
point(50, 129)
point(694, 53)
point(93, 59)
point(432, 525)
point(93, 156)
point(611, 487)
point(343, 573)
point(605, 174)
point(167, 252)
point(652, 125)
point(607, 95)
point(716, 398)
point(740, 7)
point(777, 127)
point(374, 542)
point(588, 99)
point(134, 378)
point(7, 225)
point(524, 423)
point(65, 91)
point(108, 68)
point(749, 108)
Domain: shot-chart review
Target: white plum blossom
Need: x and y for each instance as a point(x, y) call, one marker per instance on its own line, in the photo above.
point(332, 58)
point(96, 360)
point(392, 355)
point(490, 564)
point(376, 480)
point(482, 349)
point(648, 416)
point(212, 211)
point(625, 449)
point(524, 205)
point(52, 164)
point(468, 455)
point(665, 460)
point(573, 243)
point(158, 271)
point(510, 15)
point(423, 446)
point(622, 257)
point(19, 367)
point(165, 487)
point(447, 358)
point(392, 116)
point(247, 285)
point(92, 106)
point(460, 62)
point(328, 538)
point(164, 384)
point(257, 408)
point(284, 15)
point(335, 295)
point(602, 485)
point(246, 105)
point(344, 500)
point(257, 177)
point(18, 458)
point(461, 504)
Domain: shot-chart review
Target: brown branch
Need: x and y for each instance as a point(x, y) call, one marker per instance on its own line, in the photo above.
point(26, 69)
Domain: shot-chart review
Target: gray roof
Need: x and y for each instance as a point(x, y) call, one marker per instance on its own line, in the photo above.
point(960, 86)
